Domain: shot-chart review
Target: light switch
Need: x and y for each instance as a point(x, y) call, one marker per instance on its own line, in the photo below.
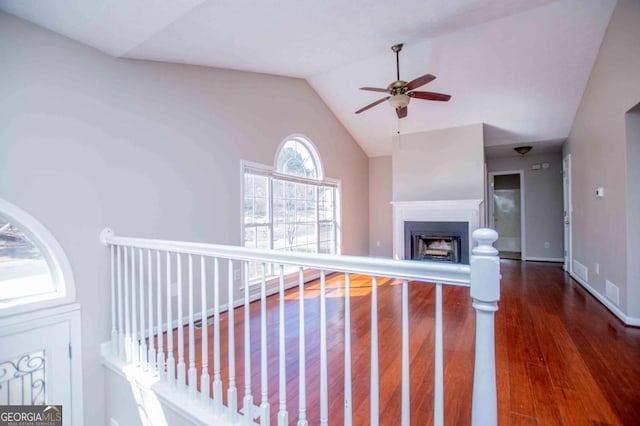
point(600, 192)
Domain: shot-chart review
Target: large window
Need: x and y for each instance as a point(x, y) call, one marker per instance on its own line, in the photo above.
point(292, 206)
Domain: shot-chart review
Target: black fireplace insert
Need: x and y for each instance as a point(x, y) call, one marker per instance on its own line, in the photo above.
point(437, 241)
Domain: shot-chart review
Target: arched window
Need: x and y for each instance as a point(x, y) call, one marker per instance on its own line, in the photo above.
point(291, 206)
point(298, 157)
point(34, 272)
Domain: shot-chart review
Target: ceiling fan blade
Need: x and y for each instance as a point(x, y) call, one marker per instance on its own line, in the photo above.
point(420, 81)
point(374, 89)
point(430, 96)
point(371, 105)
point(402, 112)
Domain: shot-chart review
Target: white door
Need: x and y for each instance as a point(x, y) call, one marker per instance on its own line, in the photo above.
point(35, 365)
point(566, 181)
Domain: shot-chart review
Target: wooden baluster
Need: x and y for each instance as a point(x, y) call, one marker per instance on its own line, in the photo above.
point(114, 330)
point(283, 415)
point(171, 363)
point(248, 397)
point(142, 347)
point(264, 402)
point(374, 379)
point(135, 345)
point(151, 354)
point(121, 335)
point(217, 378)
point(205, 382)
point(348, 405)
point(160, 351)
point(232, 392)
point(180, 367)
point(192, 373)
point(302, 375)
point(406, 385)
point(438, 387)
point(127, 313)
point(324, 397)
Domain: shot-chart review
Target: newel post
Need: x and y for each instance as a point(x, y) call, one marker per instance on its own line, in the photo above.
point(485, 292)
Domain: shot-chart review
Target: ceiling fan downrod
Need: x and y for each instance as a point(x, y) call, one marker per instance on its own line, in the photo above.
point(397, 48)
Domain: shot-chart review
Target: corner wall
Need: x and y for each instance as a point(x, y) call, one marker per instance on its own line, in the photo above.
point(150, 149)
point(597, 144)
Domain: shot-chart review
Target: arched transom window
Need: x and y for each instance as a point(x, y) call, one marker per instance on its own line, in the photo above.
point(297, 157)
point(292, 206)
point(34, 272)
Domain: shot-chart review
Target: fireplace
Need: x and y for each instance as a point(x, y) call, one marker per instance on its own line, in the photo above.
point(451, 218)
point(437, 241)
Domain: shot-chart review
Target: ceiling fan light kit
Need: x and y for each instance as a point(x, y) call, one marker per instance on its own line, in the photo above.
point(399, 101)
point(400, 92)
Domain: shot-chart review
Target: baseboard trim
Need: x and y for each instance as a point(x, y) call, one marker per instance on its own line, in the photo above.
point(545, 259)
point(627, 320)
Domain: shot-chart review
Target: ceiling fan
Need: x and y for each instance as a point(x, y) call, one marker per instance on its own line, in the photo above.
point(400, 92)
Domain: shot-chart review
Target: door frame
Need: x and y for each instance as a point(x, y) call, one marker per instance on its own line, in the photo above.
point(491, 221)
point(567, 210)
point(70, 315)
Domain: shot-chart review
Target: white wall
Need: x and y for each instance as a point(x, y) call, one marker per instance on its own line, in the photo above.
point(543, 202)
point(597, 144)
point(380, 209)
point(445, 164)
point(149, 149)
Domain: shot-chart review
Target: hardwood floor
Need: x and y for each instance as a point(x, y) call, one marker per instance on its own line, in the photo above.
point(561, 357)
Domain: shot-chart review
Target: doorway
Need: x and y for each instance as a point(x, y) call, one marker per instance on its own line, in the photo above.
point(506, 213)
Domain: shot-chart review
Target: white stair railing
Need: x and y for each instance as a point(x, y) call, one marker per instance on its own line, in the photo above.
point(134, 285)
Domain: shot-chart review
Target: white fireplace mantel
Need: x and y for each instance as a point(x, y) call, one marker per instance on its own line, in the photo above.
point(470, 211)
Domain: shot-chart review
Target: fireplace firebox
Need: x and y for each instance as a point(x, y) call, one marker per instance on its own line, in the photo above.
point(429, 247)
point(437, 241)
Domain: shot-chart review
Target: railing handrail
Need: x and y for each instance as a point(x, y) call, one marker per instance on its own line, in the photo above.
point(427, 271)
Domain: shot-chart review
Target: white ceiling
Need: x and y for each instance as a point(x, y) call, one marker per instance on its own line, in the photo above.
point(520, 66)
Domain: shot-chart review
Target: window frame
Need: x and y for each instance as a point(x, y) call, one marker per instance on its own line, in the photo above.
point(63, 291)
point(250, 167)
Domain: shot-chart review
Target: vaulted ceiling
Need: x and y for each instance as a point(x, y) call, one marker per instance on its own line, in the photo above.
point(520, 66)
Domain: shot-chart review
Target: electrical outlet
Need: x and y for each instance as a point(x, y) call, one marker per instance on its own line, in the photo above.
point(236, 274)
point(597, 269)
point(547, 245)
point(378, 243)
